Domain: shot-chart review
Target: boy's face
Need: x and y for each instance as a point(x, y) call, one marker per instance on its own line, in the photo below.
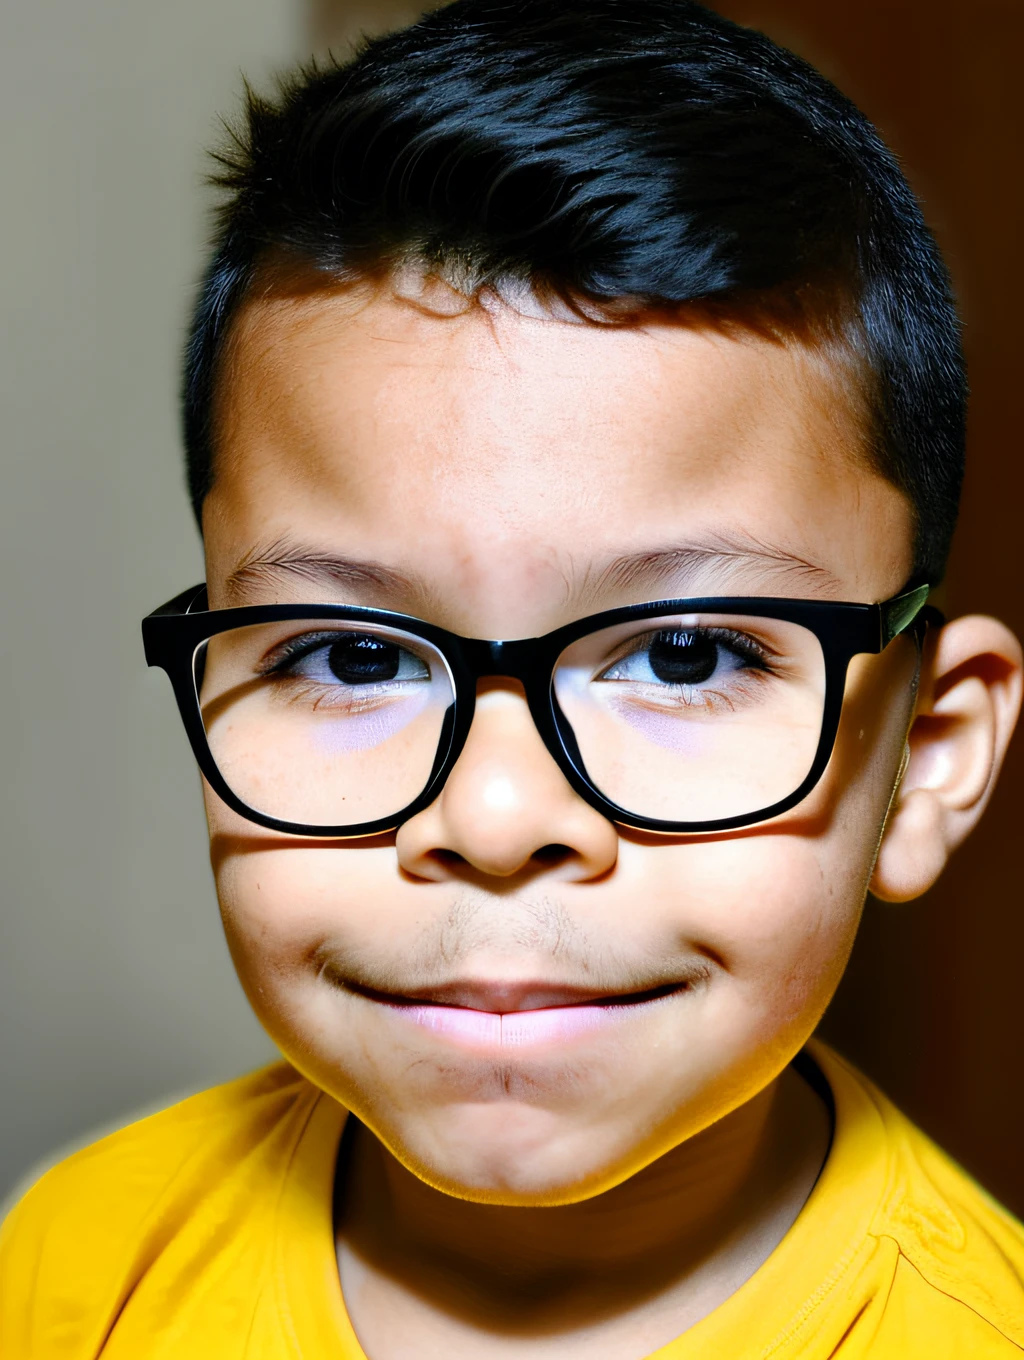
point(501, 475)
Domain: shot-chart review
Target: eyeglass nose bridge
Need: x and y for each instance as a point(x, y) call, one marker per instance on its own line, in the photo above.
point(527, 660)
point(530, 661)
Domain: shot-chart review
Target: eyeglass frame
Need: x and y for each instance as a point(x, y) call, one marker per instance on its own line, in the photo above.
point(173, 634)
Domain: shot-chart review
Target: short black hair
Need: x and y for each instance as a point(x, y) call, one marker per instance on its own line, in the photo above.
point(630, 155)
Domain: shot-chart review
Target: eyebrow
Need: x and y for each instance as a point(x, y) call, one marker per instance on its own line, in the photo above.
point(265, 566)
point(681, 564)
point(269, 565)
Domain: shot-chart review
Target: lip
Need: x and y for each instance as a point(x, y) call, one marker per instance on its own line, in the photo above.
point(526, 1027)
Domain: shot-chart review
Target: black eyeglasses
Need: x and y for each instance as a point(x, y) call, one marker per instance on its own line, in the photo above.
point(689, 715)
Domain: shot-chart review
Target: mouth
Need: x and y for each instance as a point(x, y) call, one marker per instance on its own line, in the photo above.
point(488, 1016)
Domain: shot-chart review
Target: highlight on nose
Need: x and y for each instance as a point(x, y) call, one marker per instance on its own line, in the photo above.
point(500, 794)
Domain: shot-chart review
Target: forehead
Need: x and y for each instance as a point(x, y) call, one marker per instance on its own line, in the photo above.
point(494, 458)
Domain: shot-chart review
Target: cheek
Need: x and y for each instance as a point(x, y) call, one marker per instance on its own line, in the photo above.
point(279, 905)
point(776, 912)
point(781, 921)
point(791, 903)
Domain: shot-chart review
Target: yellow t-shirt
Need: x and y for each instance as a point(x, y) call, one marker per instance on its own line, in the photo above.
point(205, 1233)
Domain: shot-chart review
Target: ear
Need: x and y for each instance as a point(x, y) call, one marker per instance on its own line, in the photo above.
point(967, 708)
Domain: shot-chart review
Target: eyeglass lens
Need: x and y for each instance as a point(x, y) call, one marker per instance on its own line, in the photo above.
point(323, 722)
point(683, 718)
point(694, 718)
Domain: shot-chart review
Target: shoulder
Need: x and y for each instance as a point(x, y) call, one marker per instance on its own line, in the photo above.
point(80, 1237)
point(961, 1254)
point(123, 1173)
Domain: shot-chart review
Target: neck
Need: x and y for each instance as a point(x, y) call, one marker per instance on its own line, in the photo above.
point(652, 1255)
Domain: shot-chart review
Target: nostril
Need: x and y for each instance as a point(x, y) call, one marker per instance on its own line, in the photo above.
point(553, 854)
point(449, 858)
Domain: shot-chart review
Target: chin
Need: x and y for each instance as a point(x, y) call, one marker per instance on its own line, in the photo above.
point(515, 1154)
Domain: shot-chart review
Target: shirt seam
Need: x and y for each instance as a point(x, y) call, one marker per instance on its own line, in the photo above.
point(946, 1293)
point(813, 1302)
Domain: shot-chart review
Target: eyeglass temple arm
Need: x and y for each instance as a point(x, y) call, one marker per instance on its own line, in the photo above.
point(184, 603)
point(899, 613)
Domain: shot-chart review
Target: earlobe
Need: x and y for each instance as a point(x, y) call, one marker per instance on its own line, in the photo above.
point(967, 708)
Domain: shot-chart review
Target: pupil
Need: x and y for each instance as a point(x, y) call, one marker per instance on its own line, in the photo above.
point(363, 660)
point(683, 658)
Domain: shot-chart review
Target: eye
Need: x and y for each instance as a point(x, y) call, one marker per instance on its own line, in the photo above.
point(684, 657)
point(364, 660)
point(347, 659)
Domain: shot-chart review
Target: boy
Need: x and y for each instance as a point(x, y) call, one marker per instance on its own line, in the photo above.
point(612, 332)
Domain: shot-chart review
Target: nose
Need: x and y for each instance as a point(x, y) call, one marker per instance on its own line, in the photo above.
point(507, 808)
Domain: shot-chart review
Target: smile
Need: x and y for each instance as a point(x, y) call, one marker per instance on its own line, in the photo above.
point(523, 1028)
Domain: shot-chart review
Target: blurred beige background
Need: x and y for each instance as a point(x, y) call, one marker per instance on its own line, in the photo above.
point(115, 984)
point(116, 991)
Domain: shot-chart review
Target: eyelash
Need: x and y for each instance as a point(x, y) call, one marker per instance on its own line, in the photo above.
point(755, 654)
point(295, 649)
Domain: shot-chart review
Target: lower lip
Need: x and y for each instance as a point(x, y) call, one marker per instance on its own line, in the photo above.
point(518, 1029)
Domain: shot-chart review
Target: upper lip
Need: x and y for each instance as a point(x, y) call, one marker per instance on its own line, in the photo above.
point(504, 998)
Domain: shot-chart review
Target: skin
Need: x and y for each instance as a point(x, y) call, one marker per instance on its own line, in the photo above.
point(595, 1196)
